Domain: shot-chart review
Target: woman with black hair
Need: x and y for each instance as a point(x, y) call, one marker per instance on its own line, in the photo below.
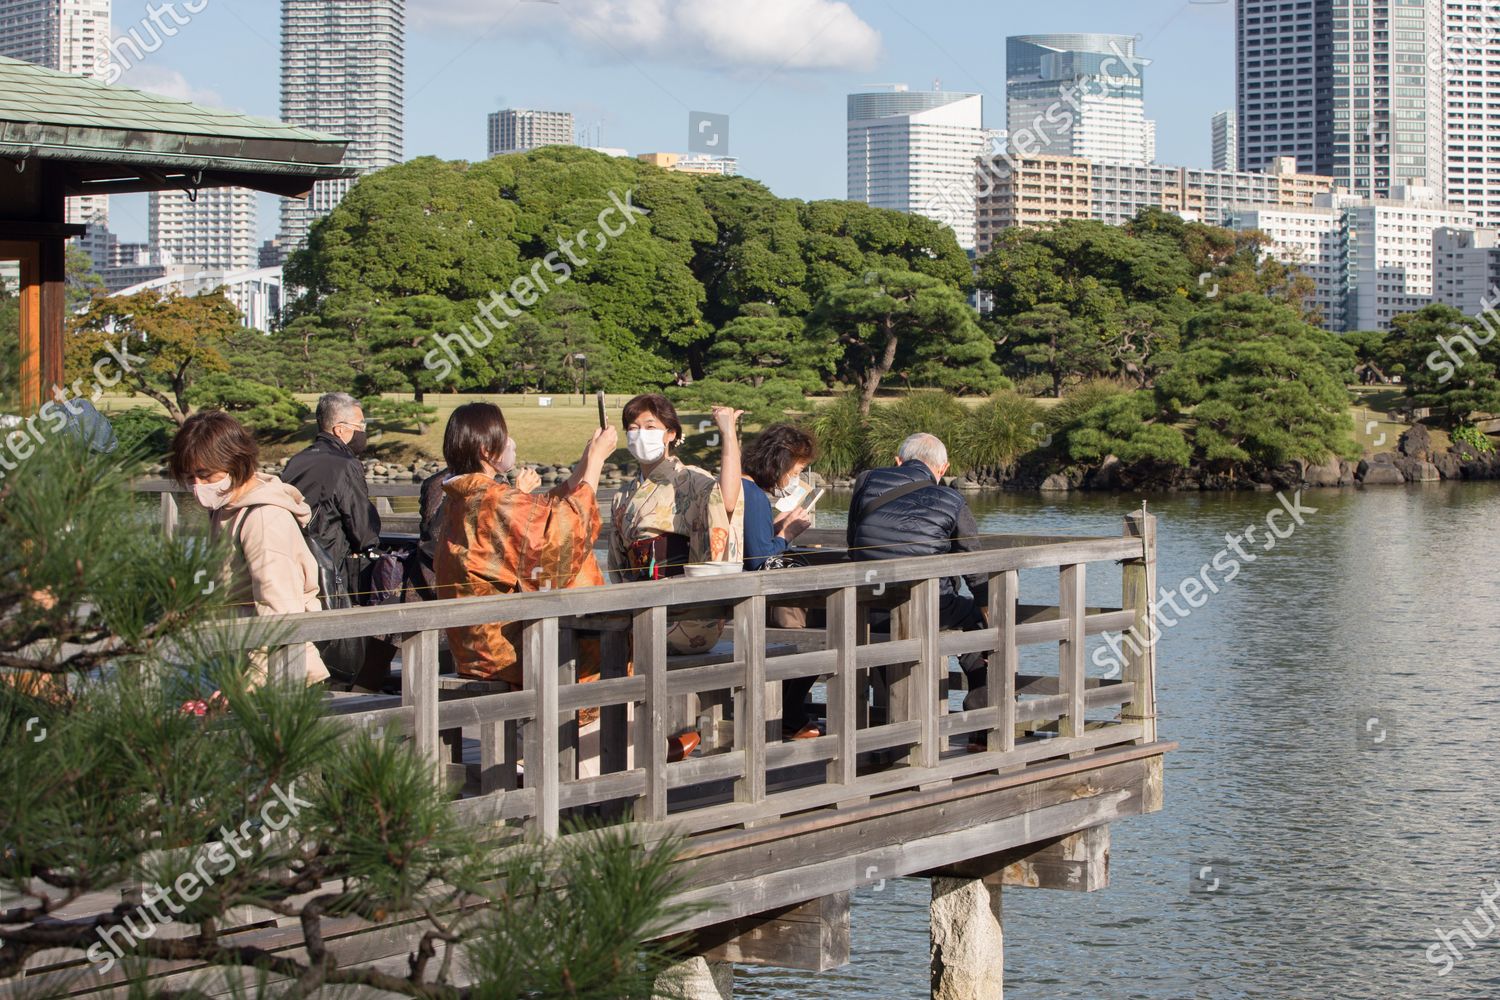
point(772, 464)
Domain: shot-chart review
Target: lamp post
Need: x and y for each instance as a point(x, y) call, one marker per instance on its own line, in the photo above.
point(584, 391)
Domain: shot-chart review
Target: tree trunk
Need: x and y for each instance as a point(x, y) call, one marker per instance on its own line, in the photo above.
point(879, 369)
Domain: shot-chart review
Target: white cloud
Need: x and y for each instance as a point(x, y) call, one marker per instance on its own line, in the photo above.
point(169, 83)
point(724, 34)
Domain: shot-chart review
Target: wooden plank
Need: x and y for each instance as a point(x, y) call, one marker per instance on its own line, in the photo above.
point(454, 713)
point(812, 936)
point(1070, 664)
point(1138, 594)
point(844, 694)
point(419, 672)
point(675, 592)
point(539, 672)
point(650, 631)
point(750, 700)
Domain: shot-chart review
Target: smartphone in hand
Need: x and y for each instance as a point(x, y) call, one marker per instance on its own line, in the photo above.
point(807, 502)
point(603, 421)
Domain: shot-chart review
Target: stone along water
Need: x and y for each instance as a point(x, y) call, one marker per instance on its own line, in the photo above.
point(1334, 803)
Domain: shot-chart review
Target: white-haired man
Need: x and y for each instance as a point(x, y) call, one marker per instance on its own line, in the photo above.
point(331, 478)
point(905, 510)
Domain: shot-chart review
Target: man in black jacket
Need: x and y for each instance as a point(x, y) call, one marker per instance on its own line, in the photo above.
point(905, 511)
point(331, 478)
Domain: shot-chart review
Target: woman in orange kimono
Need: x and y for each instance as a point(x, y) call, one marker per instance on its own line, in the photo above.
point(496, 539)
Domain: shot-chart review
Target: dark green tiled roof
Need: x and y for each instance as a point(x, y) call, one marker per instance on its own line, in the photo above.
point(56, 115)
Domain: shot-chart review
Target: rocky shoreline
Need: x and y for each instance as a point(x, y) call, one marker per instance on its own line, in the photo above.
point(1414, 461)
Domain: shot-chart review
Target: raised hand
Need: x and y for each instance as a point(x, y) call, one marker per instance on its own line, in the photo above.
point(528, 480)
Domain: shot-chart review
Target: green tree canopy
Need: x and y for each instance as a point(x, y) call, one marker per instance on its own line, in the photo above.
point(1450, 362)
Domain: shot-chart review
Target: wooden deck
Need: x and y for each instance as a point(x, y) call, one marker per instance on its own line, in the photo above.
point(779, 833)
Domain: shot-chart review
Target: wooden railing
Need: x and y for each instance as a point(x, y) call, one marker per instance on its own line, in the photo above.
point(903, 742)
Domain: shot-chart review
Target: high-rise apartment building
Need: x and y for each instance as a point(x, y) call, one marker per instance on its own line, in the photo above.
point(1044, 189)
point(1077, 95)
point(915, 151)
point(1224, 149)
point(516, 130)
point(1371, 258)
point(342, 72)
point(1346, 86)
point(1471, 65)
point(1466, 269)
point(216, 231)
point(71, 36)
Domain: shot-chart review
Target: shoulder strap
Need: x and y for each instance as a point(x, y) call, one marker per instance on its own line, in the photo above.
point(895, 494)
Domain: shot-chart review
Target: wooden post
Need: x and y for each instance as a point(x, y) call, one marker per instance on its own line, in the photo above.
point(539, 674)
point(168, 514)
point(1138, 651)
point(750, 705)
point(968, 940)
point(650, 629)
point(843, 689)
point(419, 690)
point(1071, 610)
point(1000, 680)
point(930, 674)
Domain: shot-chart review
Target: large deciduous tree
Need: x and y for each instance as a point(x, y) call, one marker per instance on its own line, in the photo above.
point(152, 344)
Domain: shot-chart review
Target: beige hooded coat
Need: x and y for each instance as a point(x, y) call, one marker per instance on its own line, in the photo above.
point(271, 569)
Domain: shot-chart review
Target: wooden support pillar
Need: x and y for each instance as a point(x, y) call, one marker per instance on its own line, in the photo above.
point(968, 940)
point(696, 978)
point(1138, 645)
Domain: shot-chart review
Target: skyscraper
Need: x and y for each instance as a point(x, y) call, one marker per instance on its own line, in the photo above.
point(1471, 61)
point(71, 36)
point(915, 151)
point(214, 232)
point(1346, 86)
point(516, 130)
point(1225, 142)
point(342, 67)
point(1077, 95)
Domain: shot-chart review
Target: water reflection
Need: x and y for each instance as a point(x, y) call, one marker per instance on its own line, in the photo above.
point(1339, 857)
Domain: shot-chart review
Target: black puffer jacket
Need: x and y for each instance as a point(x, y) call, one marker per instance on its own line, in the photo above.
point(925, 522)
point(332, 481)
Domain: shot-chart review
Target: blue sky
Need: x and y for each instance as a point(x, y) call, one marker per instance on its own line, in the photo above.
point(779, 68)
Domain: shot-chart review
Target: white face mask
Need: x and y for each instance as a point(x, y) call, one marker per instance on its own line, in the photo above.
point(647, 445)
point(507, 459)
point(214, 495)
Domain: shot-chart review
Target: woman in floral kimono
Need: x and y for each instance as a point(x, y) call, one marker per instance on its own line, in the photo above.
point(497, 539)
point(673, 514)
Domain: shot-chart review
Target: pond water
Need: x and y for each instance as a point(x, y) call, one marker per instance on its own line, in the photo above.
point(1341, 845)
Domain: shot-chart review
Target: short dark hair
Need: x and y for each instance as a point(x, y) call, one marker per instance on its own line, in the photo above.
point(213, 441)
point(475, 432)
point(658, 406)
point(774, 451)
